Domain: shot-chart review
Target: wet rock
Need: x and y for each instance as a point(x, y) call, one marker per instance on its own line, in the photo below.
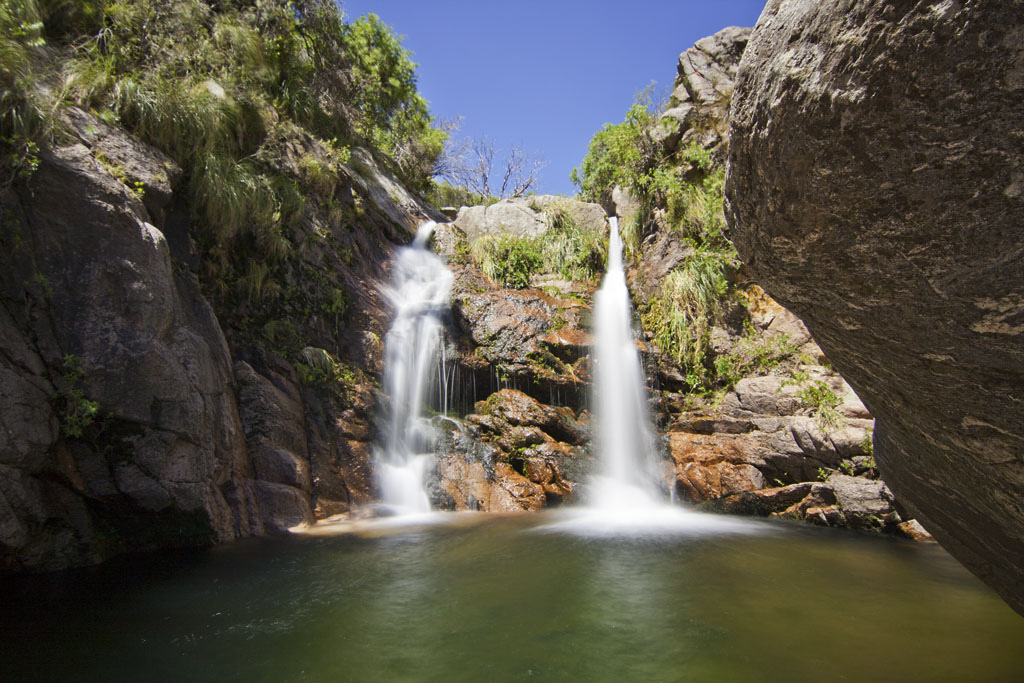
point(282, 507)
point(913, 530)
point(516, 409)
point(817, 505)
point(708, 468)
point(865, 503)
point(273, 421)
point(880, 199)
point(763, 502)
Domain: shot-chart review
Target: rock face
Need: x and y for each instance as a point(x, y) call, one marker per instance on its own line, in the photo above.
point(699, 108)
point(97, 325)
point(134, 413)
point(875, 188)
point(525, 217)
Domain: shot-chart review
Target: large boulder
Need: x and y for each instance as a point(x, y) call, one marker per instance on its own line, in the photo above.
point(875, 188)
point(527, 216)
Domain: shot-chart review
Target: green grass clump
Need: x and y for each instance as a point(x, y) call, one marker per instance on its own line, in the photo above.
point(507, 259)
point(565, 249)
point(26, 111)
point(822, 401)
point(688, 303)
point(569, 250)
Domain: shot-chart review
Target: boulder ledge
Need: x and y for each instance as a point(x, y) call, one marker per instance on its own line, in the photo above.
point(875, 188)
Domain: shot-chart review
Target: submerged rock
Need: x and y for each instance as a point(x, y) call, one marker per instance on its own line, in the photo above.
point(875, 189)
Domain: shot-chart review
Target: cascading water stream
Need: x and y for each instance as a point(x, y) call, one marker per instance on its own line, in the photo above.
point(419, 293)
point(624, 436)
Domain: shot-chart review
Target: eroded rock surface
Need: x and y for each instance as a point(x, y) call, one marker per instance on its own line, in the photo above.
point(875, 189)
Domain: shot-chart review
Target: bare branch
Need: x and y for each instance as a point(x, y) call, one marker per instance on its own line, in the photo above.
point(470, 163)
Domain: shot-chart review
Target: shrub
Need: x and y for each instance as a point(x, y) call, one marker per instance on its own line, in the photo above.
point(507, 259)
point(688, 303)
point(822, 401)
point(618, 154)
point(26, 113)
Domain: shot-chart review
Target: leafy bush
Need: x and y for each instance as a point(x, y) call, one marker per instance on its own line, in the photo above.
point(507, 259)
point(618, 154)
point(822, 401)
point(688, 303)
point(76, 412)
point(26, 113)
point(685, 188)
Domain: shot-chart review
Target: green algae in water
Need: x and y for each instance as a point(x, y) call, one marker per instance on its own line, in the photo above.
point(498, 599)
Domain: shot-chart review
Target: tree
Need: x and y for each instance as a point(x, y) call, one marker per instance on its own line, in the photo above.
point(470, 163)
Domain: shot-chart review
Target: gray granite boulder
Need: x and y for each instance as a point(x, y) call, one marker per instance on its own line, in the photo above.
point(875, 188)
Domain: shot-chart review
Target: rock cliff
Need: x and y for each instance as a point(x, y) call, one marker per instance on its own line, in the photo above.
point(135, 414)
point(875, 188)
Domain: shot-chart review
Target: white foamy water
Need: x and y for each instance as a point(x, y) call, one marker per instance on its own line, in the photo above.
point(623, 433)
point(419, 292)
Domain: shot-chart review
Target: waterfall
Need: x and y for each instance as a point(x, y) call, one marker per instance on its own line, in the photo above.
point(623, 433)
point(419, 293)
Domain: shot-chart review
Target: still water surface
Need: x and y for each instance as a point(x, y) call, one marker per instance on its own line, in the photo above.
point(520, 598)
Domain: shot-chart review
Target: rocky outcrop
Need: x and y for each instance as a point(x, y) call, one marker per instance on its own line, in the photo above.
point(512, 453)
point(699, 108)
point(138, 410)
point(118, 396)
point(527, 217)
point(875, 189)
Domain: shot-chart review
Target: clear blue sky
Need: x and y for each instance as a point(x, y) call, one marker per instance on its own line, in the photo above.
point(547, 75)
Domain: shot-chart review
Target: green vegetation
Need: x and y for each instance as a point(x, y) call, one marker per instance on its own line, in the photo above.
point(680, 191)
point(443, 194)
point(26, 114)
point(569, 250)
point(753, 354)
point(867, 444)
point(260, 103)
point(619, 154)
point(822, 401)
point(565, 249)
point(75, 411)
point(507, 259)
point(688, 303)
point(317, 367)
point(223, 88)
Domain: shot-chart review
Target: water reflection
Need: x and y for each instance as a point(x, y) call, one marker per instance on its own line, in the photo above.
point(497, 599)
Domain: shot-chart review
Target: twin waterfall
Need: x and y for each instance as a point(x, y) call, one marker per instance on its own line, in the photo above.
point(621, 424)
point(420, 295)
point(623, 435)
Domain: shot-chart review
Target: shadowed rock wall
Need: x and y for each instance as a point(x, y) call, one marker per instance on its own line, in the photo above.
point(875, 188)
